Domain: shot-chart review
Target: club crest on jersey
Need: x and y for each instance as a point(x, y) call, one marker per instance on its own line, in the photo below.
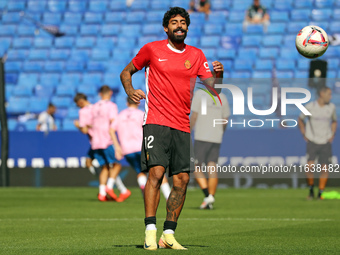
point(187, 64)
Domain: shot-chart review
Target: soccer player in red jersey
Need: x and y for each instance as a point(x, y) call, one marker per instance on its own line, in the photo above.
point(170, 67)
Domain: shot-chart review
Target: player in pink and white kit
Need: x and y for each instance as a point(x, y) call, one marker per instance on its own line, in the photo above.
point(129, 128)
point(103, 114)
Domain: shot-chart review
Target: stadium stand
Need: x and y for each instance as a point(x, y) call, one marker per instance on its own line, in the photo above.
point(102, 37)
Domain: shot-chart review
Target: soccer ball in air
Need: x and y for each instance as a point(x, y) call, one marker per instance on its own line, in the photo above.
point(312, 42)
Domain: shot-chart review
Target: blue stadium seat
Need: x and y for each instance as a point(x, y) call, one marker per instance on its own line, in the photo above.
point(243, 64)
point(300, 14)
point(36, 6)
point(334, 27)
point(98, 6)
point(68, 125)
point(51, 18)
point(332, 52)
point(92, 79)
point(220, 5)
point(269, 52)
point(337, 3)
point(96, 66)
point(336, 14)
point(233, 29)
point(88, 89)
point(247, 53)
point(9, 91)
point(115, 68)
point(321, 14)
point(303, 64)
point(288, 39)
point(211, 41)
point(241, 5)
point(71, 18)
point(159, 5)
point(264, 64)
point(241, 75)
point(303, 4)
point(295, 27)
point(261, 75)
point(285, 64)
point(115, 17)
point(332, 75)
point(213, 29)
point(33, 66)
point(54, 66)
point(255, 29)
point(43, 92)
point(8, 30)
point(75, 66)
point(284, 74)
point(28, 79)
point(131, 30)
point(22, 91)
point(119, 55)
point(118, 5)
point(17, 105)
point(126, 43)
point(152, 29)
point(61, 101)
point(226, 53)
point(236, 16)
point(279, 16)
point(38, 54)
point(16, 5)
point(11, 18)
point(100, 54)
point(209, 53)
point(105, 43)
point(272, 40)
point(283, 5)
point(80, 55)
point(38, 104)
point(5, 42)
point(301, 74)
point(70, 29)
point(17, 54)
point(64, 42)
point(217, 17)
point(50, 79)
point(251, 40)
point(57, 6)
point(89, 30)
point(323, 3)
point(13, 66)
point(110, 30)
point(193, 41)
point(289, 53)
point(85, 42)
point(195, 30)
point(135, 17)
point(12, 124)
point(155, 17)
point(73, 113)
point(140, 5)
point(276, 28)
point(56, 54)
point(22, 42)
point(25, 30)
point(11, 78)
point(31, 125)
point(66, 90)
point(332, 63)
point(72, 79)
point(43, 42)
point(77, 6)
point(93, 18)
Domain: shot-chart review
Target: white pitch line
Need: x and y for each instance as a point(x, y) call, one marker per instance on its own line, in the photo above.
point(182, 219)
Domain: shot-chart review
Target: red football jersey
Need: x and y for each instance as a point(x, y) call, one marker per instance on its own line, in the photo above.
point(170, 80)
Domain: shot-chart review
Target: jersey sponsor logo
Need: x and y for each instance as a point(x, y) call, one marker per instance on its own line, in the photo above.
point(161, 60)
point(187, 64)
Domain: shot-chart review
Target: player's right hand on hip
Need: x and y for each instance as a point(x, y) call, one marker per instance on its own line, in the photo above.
point(137, 95)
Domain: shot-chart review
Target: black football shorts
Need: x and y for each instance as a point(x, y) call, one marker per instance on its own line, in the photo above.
point(322, 152)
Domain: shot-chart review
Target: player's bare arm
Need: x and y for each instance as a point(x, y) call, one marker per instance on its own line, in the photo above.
point(193, 119)
point(84, 130)
point(126, 78)
point(333, 128)
point(302, 127)
point(116, 145)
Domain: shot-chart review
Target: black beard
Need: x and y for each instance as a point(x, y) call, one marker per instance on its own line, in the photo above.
point(177, 39)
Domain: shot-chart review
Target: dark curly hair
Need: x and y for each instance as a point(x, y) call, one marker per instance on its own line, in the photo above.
point(174, 11)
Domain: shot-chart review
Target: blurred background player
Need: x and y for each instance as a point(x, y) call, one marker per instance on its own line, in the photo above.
point(46, 119)
point(256, 14)
point(129, 128)
point(103, 114)
point(319, 132)
point(84, 125)
point(208, 140)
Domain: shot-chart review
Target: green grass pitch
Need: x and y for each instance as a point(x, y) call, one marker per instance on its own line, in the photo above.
point(252, 221)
